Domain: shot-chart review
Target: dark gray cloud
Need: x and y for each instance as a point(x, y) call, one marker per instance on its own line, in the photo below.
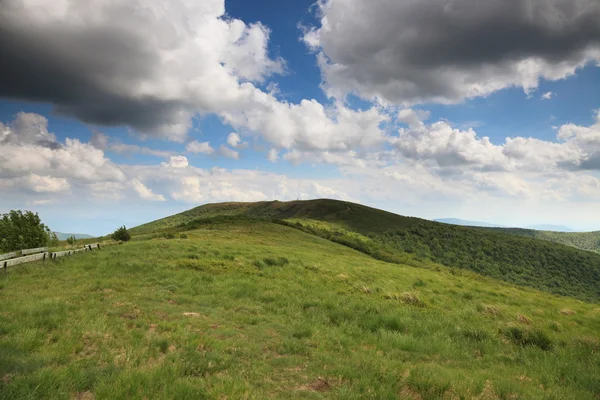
point(446, 50)
point(84, 73)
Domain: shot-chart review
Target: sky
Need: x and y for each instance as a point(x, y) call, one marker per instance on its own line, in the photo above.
point(115, 112)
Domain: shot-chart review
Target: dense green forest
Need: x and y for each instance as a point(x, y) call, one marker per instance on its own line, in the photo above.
point(582, 240)
point(525, 261)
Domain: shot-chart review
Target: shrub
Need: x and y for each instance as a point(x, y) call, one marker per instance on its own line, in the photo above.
point(412, 299)
point(275, 261)
point(526, 337)
point(121, 234)
point(71, 240)
point(419, 283)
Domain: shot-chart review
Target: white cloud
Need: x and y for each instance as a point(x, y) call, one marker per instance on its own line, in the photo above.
point(453, 150)
point(199, 147)
point(234, 140)
point(229, 153)
point(47, 184)
point(273, 155)
point(144, 192)
point(176, 162)
point(31, 156)
point(28, 128)
point(547, 96)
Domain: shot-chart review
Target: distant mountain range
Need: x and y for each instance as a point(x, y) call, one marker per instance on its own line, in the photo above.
point(542, 227)
point(65, 236)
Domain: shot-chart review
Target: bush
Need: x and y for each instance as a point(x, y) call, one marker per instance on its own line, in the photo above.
point(121, 234)
point(526, 337)
point(71, 240)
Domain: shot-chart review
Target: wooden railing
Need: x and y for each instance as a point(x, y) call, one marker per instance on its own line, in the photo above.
point(42, 253)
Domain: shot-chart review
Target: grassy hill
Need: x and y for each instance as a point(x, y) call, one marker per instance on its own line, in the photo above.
point(348, 215)
point(241, 308)
point(526, 261)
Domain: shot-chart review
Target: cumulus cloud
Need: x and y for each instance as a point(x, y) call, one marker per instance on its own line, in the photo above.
point(144, 65)
point(453, 150)
point(234, 140)
point(31, 155)
point(547, 96)
point(311, 126)
point(199, 147)
point(229, 153)
point(28, 128)
point(176, 162)
point(448, 50)
point(145, 192)
point(46, 184)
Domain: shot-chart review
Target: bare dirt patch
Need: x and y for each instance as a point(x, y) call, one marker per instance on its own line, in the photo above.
point(409, 393)
point(320, 385)
point(84, 396)
point(194, 315)
point(566, 311)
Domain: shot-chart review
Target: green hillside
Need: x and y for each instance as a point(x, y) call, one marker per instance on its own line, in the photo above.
point(525, 261)
point(348, 215)
point(249, 309)
point(582, 240)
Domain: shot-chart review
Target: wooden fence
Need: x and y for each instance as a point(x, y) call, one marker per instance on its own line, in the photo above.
point(42, 253)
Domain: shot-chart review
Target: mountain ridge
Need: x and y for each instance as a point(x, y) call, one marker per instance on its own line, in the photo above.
point(65, 236)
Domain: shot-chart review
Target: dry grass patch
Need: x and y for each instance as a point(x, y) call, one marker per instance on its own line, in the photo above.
point(523, 319)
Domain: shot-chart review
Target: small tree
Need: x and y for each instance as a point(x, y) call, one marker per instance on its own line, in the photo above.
point(53, 242)
point(22, 230)
point(121, 234)
point(71, 240)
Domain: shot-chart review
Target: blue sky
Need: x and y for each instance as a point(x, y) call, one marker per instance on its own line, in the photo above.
point(131, 112)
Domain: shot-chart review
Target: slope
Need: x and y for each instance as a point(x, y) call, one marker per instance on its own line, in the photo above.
point(589, 241)
point(348, 215)
point(521, 260)
point(252, 309)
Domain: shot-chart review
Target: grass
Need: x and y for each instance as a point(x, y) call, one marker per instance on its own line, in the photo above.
point(247, 309)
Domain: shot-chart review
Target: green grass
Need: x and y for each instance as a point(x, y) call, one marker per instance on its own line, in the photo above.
point(250, 309)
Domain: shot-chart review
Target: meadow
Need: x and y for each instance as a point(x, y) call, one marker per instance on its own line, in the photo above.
point(253, 309)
